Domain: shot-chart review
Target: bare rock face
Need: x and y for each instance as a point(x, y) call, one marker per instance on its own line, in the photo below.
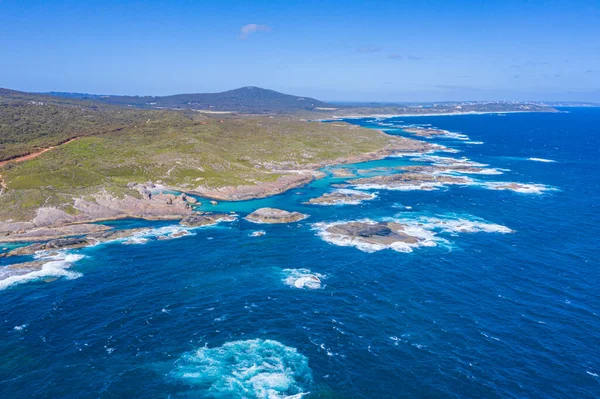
point(272, 215)
point(206, 219)
point(57, 244)
point(52, 216)
point(342, 173)
point(51, 233)
point(158, 207)
point(382, 233)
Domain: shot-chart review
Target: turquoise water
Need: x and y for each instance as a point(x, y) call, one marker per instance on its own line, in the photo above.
point(481, 314)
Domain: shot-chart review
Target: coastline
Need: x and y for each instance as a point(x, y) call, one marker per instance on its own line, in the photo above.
point(52, 223)
point(335, 117)
point(294, 178)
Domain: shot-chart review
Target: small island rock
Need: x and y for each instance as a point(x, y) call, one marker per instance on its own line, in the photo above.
point(273, 215)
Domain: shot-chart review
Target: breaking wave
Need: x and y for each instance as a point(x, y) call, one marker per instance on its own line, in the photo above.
point(302, 278)
point(457, 224)
point(53, 265)
point(522, 188)
point(254, 369)
point(158, 233)
point(541, 160)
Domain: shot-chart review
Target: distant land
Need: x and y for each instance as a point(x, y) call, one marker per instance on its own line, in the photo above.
point(246, 100)
point(68, 159)
point(255, 100)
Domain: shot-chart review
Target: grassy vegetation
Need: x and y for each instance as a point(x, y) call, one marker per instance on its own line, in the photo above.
point(182, 150)
point(29, 122)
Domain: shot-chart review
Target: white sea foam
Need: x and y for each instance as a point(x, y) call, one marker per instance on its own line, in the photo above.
point(401, 187)
point(437, 160)
point(457, 224)
point(523, 188)
point(474, 142)
point(455, 136)
point(449, 150)
point(253, 369)
point(55, 265)
point(302, 278)
point(350, 200)
point(410, 154)
point(347, 191)
point(541, 160)
point(482, 171)
point(165, 232)
point(257, 233)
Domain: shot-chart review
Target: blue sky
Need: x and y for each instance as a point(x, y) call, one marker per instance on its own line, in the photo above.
point(333, 50)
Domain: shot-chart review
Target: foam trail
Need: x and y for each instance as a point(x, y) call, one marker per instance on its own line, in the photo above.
point(541, 160)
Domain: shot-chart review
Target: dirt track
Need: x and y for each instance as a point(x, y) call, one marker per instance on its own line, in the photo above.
point(34, 154)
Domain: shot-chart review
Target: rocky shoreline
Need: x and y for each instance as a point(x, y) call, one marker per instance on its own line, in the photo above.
point(293, 178)
point(152, 203)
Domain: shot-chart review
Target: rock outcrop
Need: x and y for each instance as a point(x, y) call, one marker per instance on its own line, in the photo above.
point(342, 173)
point(406, 180)
point(50, 233)
point(206, 219)
point(369, 235)
point(57, 244)
point(272, 215)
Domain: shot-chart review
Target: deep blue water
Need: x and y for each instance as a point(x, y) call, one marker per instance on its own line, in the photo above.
point(479, 315)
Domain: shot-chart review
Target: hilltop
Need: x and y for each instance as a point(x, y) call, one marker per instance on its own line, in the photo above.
point(248, 99)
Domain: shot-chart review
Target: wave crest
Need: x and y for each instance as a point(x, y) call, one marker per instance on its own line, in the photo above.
point(46, 266)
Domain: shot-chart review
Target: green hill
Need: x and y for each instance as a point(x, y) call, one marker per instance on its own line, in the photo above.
point(244, 100)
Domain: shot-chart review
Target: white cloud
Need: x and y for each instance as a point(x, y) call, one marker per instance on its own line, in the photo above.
point(249, 29)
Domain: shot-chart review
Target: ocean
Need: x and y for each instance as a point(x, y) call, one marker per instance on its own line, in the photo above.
point(501, 301)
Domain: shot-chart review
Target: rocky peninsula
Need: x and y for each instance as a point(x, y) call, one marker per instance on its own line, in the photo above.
point(426, 132)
